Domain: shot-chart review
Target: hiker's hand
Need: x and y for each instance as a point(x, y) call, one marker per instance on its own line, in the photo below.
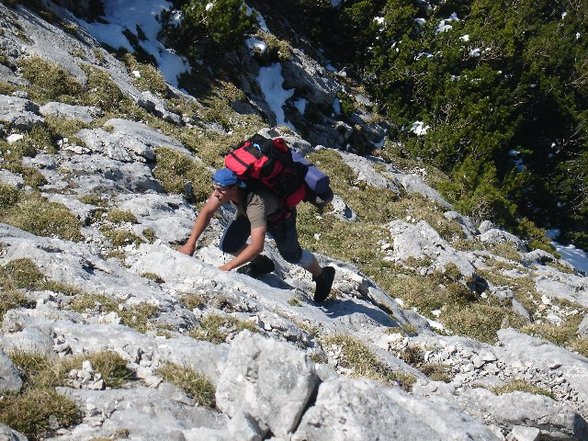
point(225, 267)
point(187, 248)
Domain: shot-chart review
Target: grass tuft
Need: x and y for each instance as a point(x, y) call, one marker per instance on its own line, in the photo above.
point(35, 214)
point(175, 170)
point(215, 328)
point(364, 363)
point(195, 384)
point(38, 413)
point(522, 386)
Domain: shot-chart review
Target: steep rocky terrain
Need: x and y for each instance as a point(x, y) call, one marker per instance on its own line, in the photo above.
point(89, 272)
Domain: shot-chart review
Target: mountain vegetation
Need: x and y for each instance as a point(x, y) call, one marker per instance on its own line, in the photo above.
point(500, 86)
point(439, 324)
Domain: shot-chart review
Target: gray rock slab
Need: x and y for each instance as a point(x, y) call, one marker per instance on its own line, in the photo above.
point(157, 106)
point(421, 240)
point(81, 265)
point(467, 226)
point(301, 72)
point(552, 419)
point(7, 177)
point(526, 349)
point(86, 114)
point(144, 134)
point(583, 327)
point(521, 433)
point(164, 413)
point(365, 172)
point(201, 356)
point(356, 410)
point(167, 215)
point(19, 113)
point(270, 382)
point(7, 434)
point(31, 339)
point(99, 174)
point(556, 284)
point(494, 235)
point(128, 141)
point(10, 77)
point(415, 184)
point(9, 378)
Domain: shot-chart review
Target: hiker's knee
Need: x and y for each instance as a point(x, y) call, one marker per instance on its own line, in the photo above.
point(306, 259)
point(291, 255)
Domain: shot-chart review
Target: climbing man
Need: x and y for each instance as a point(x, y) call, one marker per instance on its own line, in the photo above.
point(257, 213)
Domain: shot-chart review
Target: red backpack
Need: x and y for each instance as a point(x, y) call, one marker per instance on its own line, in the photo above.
point(273, 165)
point(269, 162)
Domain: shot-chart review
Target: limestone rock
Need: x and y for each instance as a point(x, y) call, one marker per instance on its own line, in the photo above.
point(19, 113)
point(267, 381)
point(355, 410)
point(9, 378)
point(86, 114)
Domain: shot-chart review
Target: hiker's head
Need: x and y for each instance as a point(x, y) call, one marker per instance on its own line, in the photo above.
point(225, 179)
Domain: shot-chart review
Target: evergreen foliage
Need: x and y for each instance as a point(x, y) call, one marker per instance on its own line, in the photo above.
point(207, 28)
point(502, 86)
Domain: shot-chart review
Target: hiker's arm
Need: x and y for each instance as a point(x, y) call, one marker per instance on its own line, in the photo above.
point(248, 253)
point(200, 224)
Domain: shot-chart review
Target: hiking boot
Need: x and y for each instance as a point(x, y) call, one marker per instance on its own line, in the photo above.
point(257, 267)
point(323, 284)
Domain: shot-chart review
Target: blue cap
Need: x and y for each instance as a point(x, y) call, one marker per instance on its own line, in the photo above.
point(225, 178)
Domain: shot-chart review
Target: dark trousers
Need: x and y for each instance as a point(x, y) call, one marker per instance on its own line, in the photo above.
point(284, 233)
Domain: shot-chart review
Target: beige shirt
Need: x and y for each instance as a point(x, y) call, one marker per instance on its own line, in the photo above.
point(258, 206)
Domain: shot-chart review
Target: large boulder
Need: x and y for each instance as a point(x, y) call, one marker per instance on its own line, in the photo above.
point(356, 410)
point(9, 378)
point(422, 241)
point(19, 113)
point(266, 384)
point(527, 350)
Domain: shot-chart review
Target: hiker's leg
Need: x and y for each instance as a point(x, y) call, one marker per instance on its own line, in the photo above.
point(286, 238)
point(236, 235)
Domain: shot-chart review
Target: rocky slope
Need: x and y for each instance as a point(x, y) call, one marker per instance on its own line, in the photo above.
point(281, 367)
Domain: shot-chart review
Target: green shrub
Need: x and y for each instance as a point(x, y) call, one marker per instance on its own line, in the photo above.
point(101, 91)
point(37, 410)
point(110, 365)
point(192, 301)
point(210, 30)
point(136, 316)
point(49, 82)
point(580, 345)
point(93, 302)
point(21, 274)
point(150, 77)
point(564, 334)
point(175, 170)
point(149, 235)
point(195, 384)
point(120, 216)
point(37, 215)
point(38, 413)
point(216, 328)
point(120, 237)
point(153, 276)
point(522, 386)
point(479, 320)
point(364, 363)
point(12, 299)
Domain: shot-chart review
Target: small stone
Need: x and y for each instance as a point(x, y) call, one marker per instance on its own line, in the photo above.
point(521, 433)
point(98, 385)
point(87, 366)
